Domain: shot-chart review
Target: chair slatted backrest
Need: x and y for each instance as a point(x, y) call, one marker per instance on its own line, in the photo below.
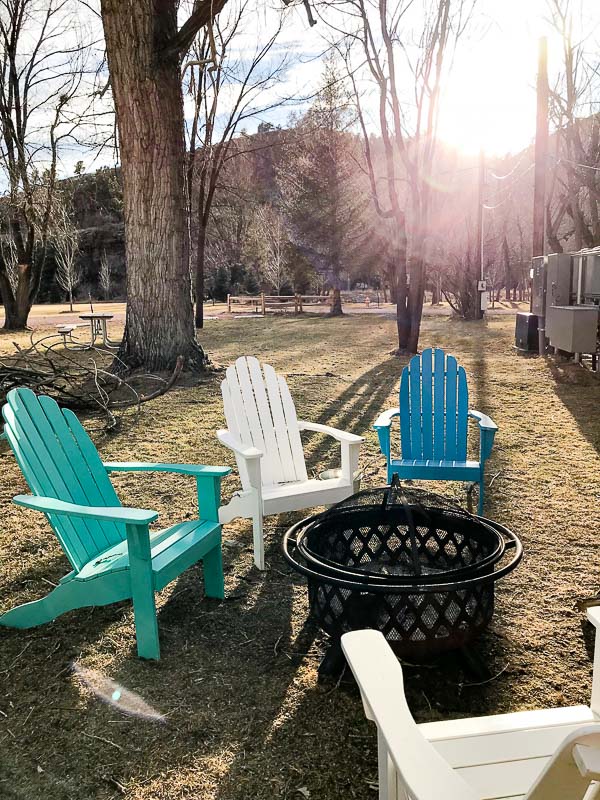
point(58, 459)
point(260, 413)
point(434, 408)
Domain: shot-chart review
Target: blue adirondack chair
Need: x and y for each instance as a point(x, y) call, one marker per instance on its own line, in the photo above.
point(434, 412)
point(113, 554)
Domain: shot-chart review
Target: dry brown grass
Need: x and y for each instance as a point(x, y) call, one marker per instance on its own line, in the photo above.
point(237, 679)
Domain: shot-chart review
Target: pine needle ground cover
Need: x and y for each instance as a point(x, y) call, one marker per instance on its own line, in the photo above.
point(244, 715)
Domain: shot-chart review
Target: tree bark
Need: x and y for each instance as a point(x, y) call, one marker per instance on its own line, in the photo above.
point(336, 304)
point(146, 83)
point(415, 304)
point(403, 323)
point(16, 306)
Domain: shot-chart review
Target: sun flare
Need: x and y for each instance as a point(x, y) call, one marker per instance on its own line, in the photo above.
point(489, 100)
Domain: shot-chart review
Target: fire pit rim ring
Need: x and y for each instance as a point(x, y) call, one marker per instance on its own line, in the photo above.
point(494, 556)
point(369, 585)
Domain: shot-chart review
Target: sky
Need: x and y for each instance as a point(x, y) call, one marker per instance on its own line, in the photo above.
point(489, 96)
point(489, 93)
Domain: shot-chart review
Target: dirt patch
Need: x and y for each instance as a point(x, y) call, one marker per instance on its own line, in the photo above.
point(237, 680)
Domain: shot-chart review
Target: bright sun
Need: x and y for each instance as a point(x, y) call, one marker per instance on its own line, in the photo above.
point(490, 99)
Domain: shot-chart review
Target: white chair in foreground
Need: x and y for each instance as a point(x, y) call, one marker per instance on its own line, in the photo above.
point(264, 433)
point(552, 754)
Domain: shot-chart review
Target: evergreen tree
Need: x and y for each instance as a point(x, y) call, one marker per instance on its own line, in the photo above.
point(320, 186)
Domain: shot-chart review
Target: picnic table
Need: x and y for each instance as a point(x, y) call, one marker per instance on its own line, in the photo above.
point(98, 327)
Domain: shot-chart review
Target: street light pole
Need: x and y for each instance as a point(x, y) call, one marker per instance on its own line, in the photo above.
point(479, 253)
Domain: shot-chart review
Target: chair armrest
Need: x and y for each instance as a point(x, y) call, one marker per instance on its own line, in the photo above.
point(50, 505)
point(238, 448)
point(487, 432)
point(593, 615)
point(341, 436)
point(182, 469)
point(424, 772)
point(485, 422)
point(384, 420)
point(382, 425)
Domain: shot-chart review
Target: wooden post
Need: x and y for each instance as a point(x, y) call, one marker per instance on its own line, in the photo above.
point(541, 150)
point(229, 304)
point(300, 300)
point(262, 303)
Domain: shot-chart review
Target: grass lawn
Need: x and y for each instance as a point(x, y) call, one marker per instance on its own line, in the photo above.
point(237, 681)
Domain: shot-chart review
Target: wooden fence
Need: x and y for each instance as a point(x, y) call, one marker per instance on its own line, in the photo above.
point(262, 303)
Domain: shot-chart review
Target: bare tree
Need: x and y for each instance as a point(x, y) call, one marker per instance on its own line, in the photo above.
point(227, 88)
point(271, 241)
point(408, 128)
point(40, 82)
point(65, 241)
point(145, 47)
point(105, 276)
point(573, 200)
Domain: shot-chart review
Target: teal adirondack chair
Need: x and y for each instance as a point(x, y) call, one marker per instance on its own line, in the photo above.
point(434, 412)
point(113, 554)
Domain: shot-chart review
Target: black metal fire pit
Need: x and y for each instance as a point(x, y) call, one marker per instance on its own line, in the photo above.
point(403, 561)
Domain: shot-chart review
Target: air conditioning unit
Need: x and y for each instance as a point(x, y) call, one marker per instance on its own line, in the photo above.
point(558, 279)
point(526, 332)
point(591, 280)
point(573, 329)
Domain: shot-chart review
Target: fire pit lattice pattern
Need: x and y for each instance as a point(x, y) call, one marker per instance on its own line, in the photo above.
point(406, 562)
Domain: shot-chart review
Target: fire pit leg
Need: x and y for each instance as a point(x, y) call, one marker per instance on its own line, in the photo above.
point(474, 664)
point(470, 488)
point(333, 662)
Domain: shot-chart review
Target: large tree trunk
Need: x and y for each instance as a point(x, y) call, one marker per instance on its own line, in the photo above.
point(17, 305)
point(415, 303)
point(146, 85)
point(336, 303)
point(403, 323)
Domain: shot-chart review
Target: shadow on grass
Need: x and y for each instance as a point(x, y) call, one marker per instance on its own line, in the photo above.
point(223, 678)
point(497, 463)
point(579, 391)
point(354, 410)
point(236, 680)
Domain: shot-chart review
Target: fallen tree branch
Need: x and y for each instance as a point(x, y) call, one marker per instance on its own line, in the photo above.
point(79, 378)
point(168, 385)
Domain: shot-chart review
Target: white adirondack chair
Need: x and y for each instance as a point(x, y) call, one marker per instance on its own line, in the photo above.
point(264, 434)
point(552, 754)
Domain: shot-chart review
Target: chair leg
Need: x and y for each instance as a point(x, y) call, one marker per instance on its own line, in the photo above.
point(146, 626)
point(259, 542)
point(214, 581)
point(142, 591)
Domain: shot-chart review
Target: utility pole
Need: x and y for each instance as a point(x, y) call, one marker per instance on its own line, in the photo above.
point(541, 150)
point(479, 246)
point(541, 159)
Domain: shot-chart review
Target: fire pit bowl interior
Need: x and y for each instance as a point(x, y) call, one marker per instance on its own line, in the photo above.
point(403, 561)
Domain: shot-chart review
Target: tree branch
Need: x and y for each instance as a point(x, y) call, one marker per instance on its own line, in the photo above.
point(203, 14)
